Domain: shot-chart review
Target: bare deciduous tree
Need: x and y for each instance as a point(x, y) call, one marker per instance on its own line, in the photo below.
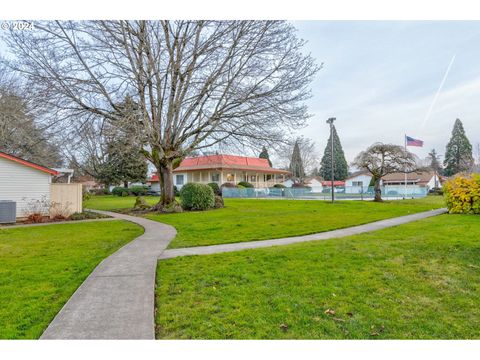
point(383, 159)
point(197, 83)
point(20, 132)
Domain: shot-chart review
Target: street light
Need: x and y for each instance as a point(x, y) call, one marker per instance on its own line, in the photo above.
point(330, 122)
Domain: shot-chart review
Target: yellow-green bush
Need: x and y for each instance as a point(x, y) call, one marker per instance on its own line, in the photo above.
point(462, 194)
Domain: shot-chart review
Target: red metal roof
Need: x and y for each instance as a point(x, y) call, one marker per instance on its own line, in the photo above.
point(225, 162)
point(335, 183)
point(27, 163)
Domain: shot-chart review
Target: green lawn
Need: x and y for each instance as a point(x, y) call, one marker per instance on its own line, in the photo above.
point(250, 219)
point(416, 281)
point(113, 203)
point(41, 267)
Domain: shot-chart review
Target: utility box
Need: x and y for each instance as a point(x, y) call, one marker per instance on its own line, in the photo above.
point(8, 211)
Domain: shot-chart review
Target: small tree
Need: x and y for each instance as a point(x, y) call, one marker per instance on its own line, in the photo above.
point(458, 154)
point(435, 165)
point(383, 159)
point(340, 163)
point(264, 155)
point(296, 163)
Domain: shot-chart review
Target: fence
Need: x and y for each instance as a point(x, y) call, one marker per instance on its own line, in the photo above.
point(66, 199)
point(341, 193)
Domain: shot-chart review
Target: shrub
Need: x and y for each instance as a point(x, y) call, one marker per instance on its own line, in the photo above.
point(462, 194)
point(240, 186)
point(138, 190)
point(86, 215)
point(215, 188)
point(436, 191)
point(218, 202)
point(85, 194)
point(245, 184)
point(99, 191)
point(228, 185)
point(118, 191)
point(35, 218)
point(175, 191)
point(125, 193)
point(197, 197)
point(280, 186)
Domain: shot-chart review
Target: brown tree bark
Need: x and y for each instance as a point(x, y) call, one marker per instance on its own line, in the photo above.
point(165, 176)
point(378, 191)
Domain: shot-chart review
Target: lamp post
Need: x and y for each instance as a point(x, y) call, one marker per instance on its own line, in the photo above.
point(330, 122)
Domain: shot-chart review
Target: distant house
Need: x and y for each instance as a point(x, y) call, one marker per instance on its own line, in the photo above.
point(336, 183)
point(89, 183)
point(224, 169)
point(358, 182)
point(23, 181)
point(423, 179)
point(314, 182)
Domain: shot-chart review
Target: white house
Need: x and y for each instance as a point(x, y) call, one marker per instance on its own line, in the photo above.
point(357, 182)
point(23, 181)
point(315, 183)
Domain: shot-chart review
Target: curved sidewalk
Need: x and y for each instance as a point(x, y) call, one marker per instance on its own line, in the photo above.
point(116, 301)
point(377, 225)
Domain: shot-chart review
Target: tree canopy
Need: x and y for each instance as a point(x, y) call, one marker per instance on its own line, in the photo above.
point(340, 166)
point(196, 83)
point(458, 154)
point(20, 134)
point(383, 159)
point(296, 163)
point(264, 155)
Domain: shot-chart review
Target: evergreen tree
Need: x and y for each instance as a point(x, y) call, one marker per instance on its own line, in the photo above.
point(340, 163)
point(458, 154)
point(296, 163)
point(264, 155)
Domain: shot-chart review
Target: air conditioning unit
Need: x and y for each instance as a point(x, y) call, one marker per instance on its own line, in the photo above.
point(8, 211)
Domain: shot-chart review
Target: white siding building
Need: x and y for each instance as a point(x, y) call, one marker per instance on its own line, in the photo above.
point(357, 182)
point(22, 181)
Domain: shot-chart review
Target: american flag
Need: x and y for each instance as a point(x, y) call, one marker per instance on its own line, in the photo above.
point(413, 142)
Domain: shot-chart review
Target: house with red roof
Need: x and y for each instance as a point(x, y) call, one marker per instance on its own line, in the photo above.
point(222, 169)
point(23, 181)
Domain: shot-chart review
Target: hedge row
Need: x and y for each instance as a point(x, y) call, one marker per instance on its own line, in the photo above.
point(462, 194)
point(134, 190)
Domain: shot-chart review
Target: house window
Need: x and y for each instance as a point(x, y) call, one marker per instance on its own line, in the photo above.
point(215, 177)
point(253, 178)
point(179, 179)
point(357, 183)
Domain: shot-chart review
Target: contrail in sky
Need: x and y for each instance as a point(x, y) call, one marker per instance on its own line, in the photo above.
point(427, 117)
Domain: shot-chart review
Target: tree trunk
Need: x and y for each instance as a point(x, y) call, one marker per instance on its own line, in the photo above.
point(125, 184)
point(378, 191)
point(165, 176)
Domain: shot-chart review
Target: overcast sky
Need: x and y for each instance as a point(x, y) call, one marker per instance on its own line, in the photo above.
point(380, 80)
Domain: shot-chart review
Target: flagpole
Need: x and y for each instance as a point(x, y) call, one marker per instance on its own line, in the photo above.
point(405, 168)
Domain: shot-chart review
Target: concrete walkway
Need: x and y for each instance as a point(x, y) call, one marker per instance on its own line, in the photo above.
point(117, 300)
point(378, 225)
